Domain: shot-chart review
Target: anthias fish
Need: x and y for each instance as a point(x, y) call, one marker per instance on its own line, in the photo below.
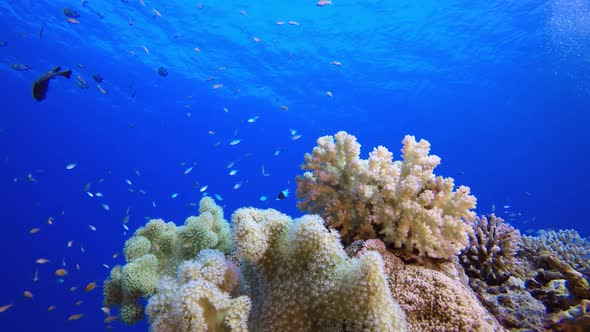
point(41, 85)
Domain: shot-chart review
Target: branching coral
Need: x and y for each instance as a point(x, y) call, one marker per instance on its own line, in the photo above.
point(301, 279)
point(491, 254)
point(402, 202)
point(566, 244)
point(199, 298)
point(156, 250)
point(433, 299)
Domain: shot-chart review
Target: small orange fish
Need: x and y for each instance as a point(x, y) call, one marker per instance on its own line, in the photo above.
point(256, 39)
point(42, 261)
point(75, 316)
point(61, 272)
point(157, 13)
point(6, 307)
point(217, 86)
point(50, 308)
point(34, 230)
point(78, 303)
point(322, 3)
point(73, 20)
point(109, 319)
point(106, 310)
point(284, 107)
point(27, 294)
point(73, 288)
point(90, 287)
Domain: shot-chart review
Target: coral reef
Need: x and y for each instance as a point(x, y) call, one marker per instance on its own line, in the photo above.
point(401, 202)
point(512, 304)
point(575, 319)
point(411, 242)
point(566, 244)
point(490, 255)
point(156, 250)
point(301, 279)
point(434, 299)
point(199, 298)
point(558, 276)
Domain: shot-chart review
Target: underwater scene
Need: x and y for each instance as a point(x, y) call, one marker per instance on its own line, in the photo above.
point(311, 165)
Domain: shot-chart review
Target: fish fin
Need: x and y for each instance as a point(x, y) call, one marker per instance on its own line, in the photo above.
point(66, 73)
point(56, 69)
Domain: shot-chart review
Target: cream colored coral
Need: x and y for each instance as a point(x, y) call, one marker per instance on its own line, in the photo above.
point(199, 299)
point(402, 202)
point(301, 279)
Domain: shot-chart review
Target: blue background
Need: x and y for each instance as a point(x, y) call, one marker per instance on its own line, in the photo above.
point(501, 89)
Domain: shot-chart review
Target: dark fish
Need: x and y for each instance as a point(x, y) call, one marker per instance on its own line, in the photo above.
point(3, 43)
point(283, 194)
point(20, 67)
point(41, 85)
point(163, 71)
point(84, 3)
point(97, 78)
point(69, 12)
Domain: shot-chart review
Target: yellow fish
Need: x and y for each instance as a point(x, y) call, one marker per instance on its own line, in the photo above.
point(75, 316)
point(90, 287)
point(6, 307)
point(61, 272)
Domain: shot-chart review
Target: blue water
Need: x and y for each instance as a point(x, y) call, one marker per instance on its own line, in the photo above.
point(500, 88)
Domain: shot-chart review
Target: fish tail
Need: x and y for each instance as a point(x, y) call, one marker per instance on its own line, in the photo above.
point(66, 73)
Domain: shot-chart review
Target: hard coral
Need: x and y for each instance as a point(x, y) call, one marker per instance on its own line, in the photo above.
point(156, 250)
point(199, 298)
point(512, 305)
point(402, 202)
point(301, 279)
point(490, 255)
point(434, 299)
point(566, 244)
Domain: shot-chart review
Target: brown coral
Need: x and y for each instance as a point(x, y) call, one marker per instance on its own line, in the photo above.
point(490, 255)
